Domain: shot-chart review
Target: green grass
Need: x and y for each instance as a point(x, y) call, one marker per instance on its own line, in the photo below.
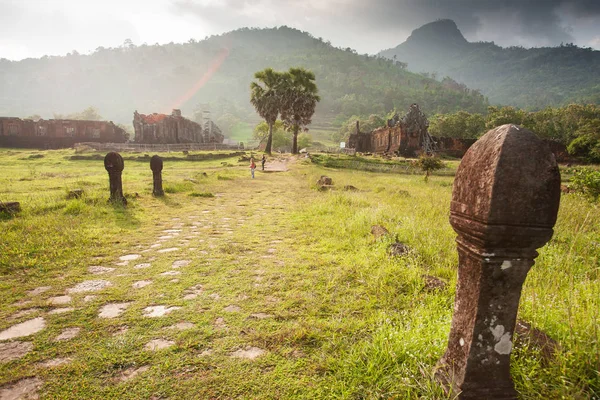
point(347, 321)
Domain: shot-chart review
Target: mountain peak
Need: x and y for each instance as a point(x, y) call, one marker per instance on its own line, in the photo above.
point(442, 31)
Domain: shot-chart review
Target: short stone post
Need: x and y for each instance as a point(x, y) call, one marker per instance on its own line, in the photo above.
point(156, 165)
point(113, 162)
point(504, 206)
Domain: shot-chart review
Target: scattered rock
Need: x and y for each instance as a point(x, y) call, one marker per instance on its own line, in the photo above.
point(158, 311)
point(14, 350)
point(379, 231)
point(232, 309)
point(130, 257)
point(206, 353)
point(23, 329)
point(67, 334)
point(526, 335)
point(214, 296)
point(158, 344)
point(249, 353)
point(39, 290)
point(59, 300)
point(131, 373)
point(11, 207)
point(55, 362)
point(113, 310)
point(168, 250)
point(142, 266)
point(325, 181)
point(25, 389)
point(433, 283)
point(121, 330)
point(89, 286)
point(180, 263)
point(399, 249)
point(166, 237)
point(99, 270)
point(220, 324)
point(75, 194)
point(141, 284)
point(565, 189)
point(89, 298)
point(350, 188)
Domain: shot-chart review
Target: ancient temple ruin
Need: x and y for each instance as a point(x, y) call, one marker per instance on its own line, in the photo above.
point(56, 133)
point(162, 128)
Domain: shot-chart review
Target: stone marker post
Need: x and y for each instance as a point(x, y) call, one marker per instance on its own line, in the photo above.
point(156, 165)
point(113, 162)
point(504, 206)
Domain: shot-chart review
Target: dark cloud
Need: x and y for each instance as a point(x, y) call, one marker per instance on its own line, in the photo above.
point(375, 24)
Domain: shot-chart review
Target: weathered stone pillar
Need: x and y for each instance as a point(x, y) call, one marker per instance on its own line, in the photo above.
point(504, 206)
point(113, 162)
point(156, 165)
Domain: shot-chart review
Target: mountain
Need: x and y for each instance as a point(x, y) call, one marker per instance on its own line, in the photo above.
point(217, 71)
point(529, 78)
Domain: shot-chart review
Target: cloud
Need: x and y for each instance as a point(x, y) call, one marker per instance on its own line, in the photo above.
point(376, 24)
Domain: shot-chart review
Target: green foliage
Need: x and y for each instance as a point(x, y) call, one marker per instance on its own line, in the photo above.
point(428, 164)
point(304, 140)
point(366, 124)
point(282, 140)
point(458, 125)
point(89, 114)
point(587, 182)
point(201, 194)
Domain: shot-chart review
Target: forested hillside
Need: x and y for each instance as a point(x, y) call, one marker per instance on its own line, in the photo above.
point(528, 78)
point(218, 71)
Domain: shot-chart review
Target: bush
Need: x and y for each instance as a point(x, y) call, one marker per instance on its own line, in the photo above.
point(429, 164)
point(587, 182)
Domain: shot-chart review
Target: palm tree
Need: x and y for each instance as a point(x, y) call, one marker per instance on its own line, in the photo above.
point(265, 96)
point(299, 100)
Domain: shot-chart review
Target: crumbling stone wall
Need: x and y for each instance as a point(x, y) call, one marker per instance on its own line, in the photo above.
point(162, 128)
point(56, 133)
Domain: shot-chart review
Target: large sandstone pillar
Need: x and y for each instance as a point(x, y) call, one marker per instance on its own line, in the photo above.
point(113, 162)
point(504, 206)
point(156, 165)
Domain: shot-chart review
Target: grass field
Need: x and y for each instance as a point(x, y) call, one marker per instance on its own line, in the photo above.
point(271, 289)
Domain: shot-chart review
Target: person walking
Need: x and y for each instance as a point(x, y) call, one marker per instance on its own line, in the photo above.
point(252, 166)
point(263, 161)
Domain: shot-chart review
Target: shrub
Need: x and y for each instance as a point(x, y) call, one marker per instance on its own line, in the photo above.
point(587, 182)
point(429, 164)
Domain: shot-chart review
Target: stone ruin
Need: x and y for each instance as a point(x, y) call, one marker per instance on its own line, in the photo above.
point(504, 206)
point(171, 129)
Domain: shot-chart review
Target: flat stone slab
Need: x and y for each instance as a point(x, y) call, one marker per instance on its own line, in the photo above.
point(14, 350)
point(89, 286)
point(39, 290)
point(59, 300)
point(61, 310)
point(90, 297)
point(158, 311)
point(158, 344)
point(23, 329)
point(67, 334)
point(260, 316)
point(99, 270)
point(215, 296)
point(182, 326)
point(24, 313)
point(170, 273)
point(166, 237)
point(172, 230)
point(141, 284)
point(193, 292)
point(142, 266)
point(55, 362)
point(131, 373)
point(25, 389)
point(113, 310)
point(130, 257)
point(168, 250)
point(249, 353)
point(181, 263)
point(232, 309)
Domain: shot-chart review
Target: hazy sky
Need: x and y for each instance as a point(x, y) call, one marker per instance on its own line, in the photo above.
point(33, 28)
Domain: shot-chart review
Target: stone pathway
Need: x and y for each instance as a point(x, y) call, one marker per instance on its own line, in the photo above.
point(185, 248)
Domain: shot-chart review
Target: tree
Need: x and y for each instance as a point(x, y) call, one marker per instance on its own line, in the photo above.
point(429, 164)
point(265, 96)
point(298, 101)
point(281, 139)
